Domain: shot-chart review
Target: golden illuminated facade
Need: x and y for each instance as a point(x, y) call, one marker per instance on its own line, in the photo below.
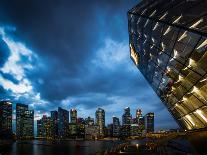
point(168, 44)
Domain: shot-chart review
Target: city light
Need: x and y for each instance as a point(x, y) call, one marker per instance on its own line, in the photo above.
point(162, 17)
point(177, 19)
point(183, 36)
point(168, 30)
point(204, 43)
point(201, 114)
point(196, 24)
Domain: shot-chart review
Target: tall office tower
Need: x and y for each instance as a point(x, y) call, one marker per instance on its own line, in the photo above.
point(63, 120)
point(89, 121)
point(138, 113)
point(116, 126)
point(24, 122)
point(73, 116)
point(5, 119)
point(168, 43)
point(149, 122)
point(44, 127)
point(54, 124)
point(100, 120)
point(126, 117)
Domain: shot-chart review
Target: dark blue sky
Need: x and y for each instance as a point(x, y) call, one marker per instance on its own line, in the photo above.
point(73, 54)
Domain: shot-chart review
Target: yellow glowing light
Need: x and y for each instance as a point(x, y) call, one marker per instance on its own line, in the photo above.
point(180, 77)
point(203, 44)
point(175, 53)
point(153, 13)
point(196, 24)
point(134, 55)
point(183, 36)
point(185, 98)
point(195, 89)
point(168, 30)
point(190, 119)
point(191, 62)
point(201, 114)
point(163, 16)
point(177, 19)
point(203, 80)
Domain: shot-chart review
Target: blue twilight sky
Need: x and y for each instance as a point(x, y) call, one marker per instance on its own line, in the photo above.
point(73, 54)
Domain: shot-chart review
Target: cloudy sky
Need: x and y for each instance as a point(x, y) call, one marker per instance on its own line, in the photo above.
point(73, 54)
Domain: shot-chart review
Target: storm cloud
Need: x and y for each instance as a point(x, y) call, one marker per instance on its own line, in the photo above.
point(72, 54)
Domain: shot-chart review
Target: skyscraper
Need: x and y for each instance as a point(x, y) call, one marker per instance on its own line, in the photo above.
point(44, 127)
point(24, 122)
point(100, 120)
point(116, 126)
point(149, 122)
point(73, 116)
point(63, 120)
point(54, 124)
point(5, 119)
point(89, 121)
point(168, 43)
point(126, 117)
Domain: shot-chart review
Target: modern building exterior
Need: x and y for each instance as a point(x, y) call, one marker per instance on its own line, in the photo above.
point(44, 127)
point(116, 126)
point(63, 120)
point(89, 121)
point(24, 122)
point(91, 132)
point(149, 122)
point(73, 116)
point(100, 120)
point(54, 124)
point(168, 43)
point(126, 117)
point(5, 119)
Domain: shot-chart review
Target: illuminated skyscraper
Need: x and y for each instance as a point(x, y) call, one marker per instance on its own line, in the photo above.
point(149, 122)
point(73, 116)
point(5, 119)
point(44, 127)
point(63, 120)
point(100, 120)
point(116, 126)
point(54, 124)
point(24, 122)
point(126, 117)
point(168, 43)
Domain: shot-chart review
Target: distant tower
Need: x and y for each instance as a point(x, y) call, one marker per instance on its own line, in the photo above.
point(5, 119)
point(116, 126)
point(100, 120)
point(149, 122)
point(63, 120)
point(73, 116)
point(126, 117)
point(24, 122)
point(54, 124)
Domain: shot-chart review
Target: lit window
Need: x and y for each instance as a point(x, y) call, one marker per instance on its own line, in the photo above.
point(200, 113)
point(156, 25)
point(204, 43)
point(153, 13)
point(183, 36)
point(168, 30)
point(163, 16)
point(177, 19)
point(134, 55)
point(190, 119)
point(196, 24)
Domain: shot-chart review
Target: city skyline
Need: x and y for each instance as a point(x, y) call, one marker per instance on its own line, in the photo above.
point(53, 70)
